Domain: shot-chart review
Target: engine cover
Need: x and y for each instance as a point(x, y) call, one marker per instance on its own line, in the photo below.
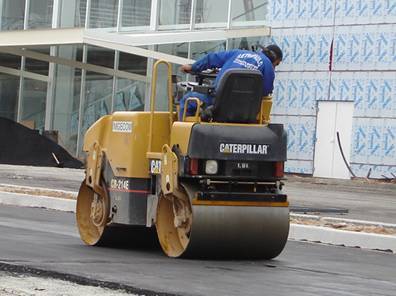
point(231, 142)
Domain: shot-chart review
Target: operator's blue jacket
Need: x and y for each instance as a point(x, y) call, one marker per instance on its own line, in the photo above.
point(233, 59)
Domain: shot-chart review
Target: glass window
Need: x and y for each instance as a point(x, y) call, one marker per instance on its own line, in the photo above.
point(66, 106)
point(71, 52)
point(129, 95)
point(211, 13)
point(161, 96)
point(132, 63)
point(175, 12)
point(73, 13)
point(9, 89)
point(12, 15)
point(103, 14)
point(178, 49)
point(181, 50)
point(67, 87)
point(9, 86)
point(199, 49)
point(10, 61)
point(100, 56)
point(249, 43)
point(98, 91)
point(244, 12)
point(40, 14)
point(33, 102)
point(37, 66)
point(136, 13)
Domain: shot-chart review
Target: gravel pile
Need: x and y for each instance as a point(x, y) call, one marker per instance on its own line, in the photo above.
point(21, 285)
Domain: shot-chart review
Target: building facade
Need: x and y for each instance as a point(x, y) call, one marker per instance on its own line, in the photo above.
point(68, 83)
point(339, 75)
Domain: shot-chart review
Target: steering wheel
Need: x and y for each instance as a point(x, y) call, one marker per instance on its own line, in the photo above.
point(206, 75)
point(203, 84)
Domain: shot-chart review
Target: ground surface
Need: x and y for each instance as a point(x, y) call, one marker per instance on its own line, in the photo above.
point(48, 240)
point(23, 285)
point(364, 200)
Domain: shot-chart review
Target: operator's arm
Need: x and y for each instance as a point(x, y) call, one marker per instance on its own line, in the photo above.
point(212, 60)
point(268, 80)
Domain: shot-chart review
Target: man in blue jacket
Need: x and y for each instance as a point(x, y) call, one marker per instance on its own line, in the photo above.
point(264, 61)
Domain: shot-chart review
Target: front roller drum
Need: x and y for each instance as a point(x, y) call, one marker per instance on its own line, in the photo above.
point(221, 231)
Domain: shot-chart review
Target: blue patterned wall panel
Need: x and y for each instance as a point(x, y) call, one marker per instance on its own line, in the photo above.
point(374, 171)
point(365, 48)
point(299, 166)
point(296, 93)
point(313, 13)
point(374, 93)
point(292, 13)
point(374, 141)
point(343, 88)
point(361, 51)
point(300, 135)
point(304, 49)
point(365, 11)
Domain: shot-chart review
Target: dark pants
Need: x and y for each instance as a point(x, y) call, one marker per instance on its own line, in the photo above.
point(192, 106)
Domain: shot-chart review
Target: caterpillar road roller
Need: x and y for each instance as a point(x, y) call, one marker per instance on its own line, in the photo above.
point(207, 185)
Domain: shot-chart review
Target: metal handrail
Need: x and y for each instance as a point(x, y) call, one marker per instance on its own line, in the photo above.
point(197, 110)
point(153, 96)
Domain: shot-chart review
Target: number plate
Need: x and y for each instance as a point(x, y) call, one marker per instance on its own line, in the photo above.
point(241, 168)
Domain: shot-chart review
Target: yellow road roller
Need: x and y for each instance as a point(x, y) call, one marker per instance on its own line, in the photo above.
point(207, 185)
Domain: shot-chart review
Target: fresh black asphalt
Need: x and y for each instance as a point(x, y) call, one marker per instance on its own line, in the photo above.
point(46, 242)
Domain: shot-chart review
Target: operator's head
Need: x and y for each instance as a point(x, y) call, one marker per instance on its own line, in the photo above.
point(274, 53)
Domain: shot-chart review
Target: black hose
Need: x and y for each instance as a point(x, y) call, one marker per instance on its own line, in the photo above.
point(343, 156)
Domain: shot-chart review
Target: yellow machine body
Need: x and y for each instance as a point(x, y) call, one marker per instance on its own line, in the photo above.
point(124, 137)
point(141, 173)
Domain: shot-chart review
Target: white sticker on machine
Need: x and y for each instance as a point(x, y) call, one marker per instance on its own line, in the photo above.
point(155, 166)
point(231, 148)
point(122, 126)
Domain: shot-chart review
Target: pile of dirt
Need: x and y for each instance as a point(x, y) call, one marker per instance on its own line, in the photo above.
point(20, 145)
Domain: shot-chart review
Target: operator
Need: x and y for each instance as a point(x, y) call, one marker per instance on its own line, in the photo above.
point(265, 61)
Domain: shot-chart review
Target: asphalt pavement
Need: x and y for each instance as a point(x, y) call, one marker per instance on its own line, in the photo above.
point(47, 240)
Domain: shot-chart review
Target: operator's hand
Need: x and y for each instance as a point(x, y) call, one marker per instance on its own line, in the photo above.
point(186, 68)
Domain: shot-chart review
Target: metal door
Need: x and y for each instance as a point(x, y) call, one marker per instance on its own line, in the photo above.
point(333, 117)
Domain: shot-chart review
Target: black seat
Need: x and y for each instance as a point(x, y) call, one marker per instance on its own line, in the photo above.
point(238, 96)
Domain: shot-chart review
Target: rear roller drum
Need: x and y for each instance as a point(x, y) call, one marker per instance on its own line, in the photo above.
point(220, 231)
point(92, 214)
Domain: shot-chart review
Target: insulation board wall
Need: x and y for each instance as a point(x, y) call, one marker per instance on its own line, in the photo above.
point(339, 50)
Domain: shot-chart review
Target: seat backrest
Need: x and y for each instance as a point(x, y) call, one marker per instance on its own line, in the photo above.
point(238, 96)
